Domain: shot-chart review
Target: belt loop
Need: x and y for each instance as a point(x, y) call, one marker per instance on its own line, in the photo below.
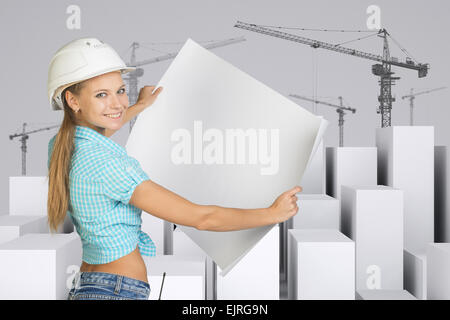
point(118, 284)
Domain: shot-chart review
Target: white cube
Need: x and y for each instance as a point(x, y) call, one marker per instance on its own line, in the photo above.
point(406, 162)
point(183, 246)
point(313, 179)
point(316, 211)
point(384, 295)
point(321, 265)
point(441, 194)
point(438, 271)
point(257, 275)
point(415, 273)
point(38, 266)
point(12, 227)
point(184, 279)
point(350, 166)
point(35, 191)
point(373, 217)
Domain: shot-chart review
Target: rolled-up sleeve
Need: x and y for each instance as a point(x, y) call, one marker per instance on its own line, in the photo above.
point(120, 176)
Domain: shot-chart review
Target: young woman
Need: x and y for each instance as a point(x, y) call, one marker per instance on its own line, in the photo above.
point(104, 190)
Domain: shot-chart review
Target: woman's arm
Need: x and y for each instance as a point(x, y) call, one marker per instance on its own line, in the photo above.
point(164, 204)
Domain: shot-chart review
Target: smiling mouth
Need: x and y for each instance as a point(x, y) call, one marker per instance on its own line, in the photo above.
point(114, 115)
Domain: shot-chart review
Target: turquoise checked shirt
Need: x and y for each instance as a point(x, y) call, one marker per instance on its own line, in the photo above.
point(102, 179)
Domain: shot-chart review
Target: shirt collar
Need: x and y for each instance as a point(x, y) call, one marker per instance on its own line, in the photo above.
point(92, 135)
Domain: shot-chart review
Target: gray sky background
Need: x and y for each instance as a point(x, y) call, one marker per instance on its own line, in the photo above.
point(31, 31)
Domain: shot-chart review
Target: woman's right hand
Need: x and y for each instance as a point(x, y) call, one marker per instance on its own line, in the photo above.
point(285, 206)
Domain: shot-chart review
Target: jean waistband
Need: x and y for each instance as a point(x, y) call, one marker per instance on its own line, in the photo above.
point(108, 279)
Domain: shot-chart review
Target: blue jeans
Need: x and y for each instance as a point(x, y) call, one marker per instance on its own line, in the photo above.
point(107, 286)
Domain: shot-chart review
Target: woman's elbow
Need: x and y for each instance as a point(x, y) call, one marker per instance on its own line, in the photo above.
point(205, 220)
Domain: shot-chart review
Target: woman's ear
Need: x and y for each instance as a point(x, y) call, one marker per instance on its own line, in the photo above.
point(72, 101)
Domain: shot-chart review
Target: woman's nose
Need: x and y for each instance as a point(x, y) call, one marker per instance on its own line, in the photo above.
point(116, 103)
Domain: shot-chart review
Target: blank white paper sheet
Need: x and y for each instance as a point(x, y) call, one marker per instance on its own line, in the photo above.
point(217, 136)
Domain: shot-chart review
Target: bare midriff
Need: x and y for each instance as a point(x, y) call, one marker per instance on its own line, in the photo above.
point(132, 266)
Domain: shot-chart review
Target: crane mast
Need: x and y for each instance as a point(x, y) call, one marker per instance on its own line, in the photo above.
point(411, 98)
point(341, 123)
point(24, 135)
point(339, 109)
point(133, 79)
point(382, 70)
point(386, 82)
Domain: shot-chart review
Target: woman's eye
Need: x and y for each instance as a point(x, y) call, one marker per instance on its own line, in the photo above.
point(122, 90)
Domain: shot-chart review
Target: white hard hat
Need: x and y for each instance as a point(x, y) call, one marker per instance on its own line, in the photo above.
point(80, 60)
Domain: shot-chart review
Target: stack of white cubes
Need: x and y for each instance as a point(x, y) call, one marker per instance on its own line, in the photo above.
point(315, 241)
point(406, 162)
point(375, 228)
point(35, 264)
point(372, 216)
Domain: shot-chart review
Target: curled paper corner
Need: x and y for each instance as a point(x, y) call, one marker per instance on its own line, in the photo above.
point(323, 127)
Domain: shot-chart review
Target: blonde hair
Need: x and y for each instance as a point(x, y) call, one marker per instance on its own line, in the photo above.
point(58, 201)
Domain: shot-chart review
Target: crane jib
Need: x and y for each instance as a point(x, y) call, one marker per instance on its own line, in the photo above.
point(421, 68)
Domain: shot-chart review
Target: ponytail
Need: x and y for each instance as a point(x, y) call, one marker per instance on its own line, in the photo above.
point(58, 201)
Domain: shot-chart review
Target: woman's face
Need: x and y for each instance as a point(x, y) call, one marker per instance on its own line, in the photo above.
point(102, 102)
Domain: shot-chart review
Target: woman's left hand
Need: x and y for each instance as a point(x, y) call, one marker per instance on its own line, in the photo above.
point(146, 97)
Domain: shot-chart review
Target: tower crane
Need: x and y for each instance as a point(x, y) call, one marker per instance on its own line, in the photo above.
point(340, 110)
point(139, 72)
point(411, 98)
point(23, 139)
point(382, 69)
